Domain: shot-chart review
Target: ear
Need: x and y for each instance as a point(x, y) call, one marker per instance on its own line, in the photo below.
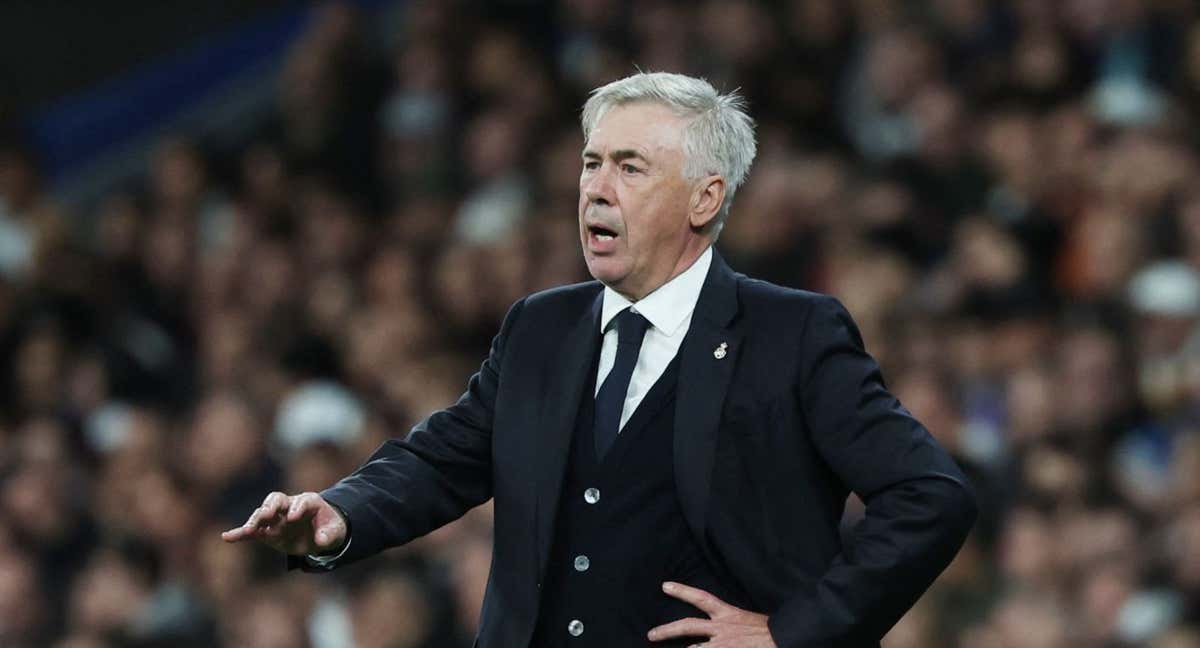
point(706, 201)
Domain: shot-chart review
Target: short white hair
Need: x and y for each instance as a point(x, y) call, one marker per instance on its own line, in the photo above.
point(719, 138)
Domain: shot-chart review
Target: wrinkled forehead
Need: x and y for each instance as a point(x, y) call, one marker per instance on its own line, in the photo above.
point(647, 125)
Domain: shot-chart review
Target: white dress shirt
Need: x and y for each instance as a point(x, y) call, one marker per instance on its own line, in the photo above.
point(669, 311)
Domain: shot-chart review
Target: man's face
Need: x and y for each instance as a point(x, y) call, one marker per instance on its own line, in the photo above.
point(633, 199)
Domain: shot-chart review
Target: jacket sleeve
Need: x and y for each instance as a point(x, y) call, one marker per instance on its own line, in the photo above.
point(919, 506)
point(412, 486)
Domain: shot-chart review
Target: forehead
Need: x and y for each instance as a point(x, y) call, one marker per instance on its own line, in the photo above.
point(647, 126)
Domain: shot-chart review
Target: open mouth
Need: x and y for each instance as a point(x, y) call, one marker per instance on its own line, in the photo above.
point(602, 233)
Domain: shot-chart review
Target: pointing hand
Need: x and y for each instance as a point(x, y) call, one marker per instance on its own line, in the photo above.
point(294, 524)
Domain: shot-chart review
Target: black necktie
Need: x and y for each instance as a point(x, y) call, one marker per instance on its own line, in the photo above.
point(610, 400)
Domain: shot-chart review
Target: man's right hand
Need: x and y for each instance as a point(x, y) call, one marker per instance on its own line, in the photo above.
point(299, 525)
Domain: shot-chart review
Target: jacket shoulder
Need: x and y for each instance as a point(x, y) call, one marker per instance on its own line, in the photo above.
point(577, 294)
point(802, 316)
point(561, 303)
point(757, 294)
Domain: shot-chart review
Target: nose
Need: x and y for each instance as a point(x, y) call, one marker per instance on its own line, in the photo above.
point(597, 187)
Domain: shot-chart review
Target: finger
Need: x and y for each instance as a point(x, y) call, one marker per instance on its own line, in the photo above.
point(272, 507)
point(690, 627)
point(263, 518)
point(252, 522)
point(250, 529)
point(275, 503)
point(302, 505)
point(709, 604)
point(235, 534)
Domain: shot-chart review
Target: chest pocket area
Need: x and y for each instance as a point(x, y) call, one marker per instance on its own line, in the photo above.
point(747, 415)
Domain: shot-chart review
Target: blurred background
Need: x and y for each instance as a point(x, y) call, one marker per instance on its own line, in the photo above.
point(241, 244)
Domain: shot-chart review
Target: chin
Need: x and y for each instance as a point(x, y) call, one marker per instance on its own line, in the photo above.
point(606, 270)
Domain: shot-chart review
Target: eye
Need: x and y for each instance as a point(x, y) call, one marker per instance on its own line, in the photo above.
point(629, 168)
point(591, 165)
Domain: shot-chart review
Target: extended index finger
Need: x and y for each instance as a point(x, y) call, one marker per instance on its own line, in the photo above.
point(235, 534)
point(709, 604)
point(270, 508)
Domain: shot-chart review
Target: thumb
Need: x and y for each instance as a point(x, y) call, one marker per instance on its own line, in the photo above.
point(324, 537)
point(327, 534)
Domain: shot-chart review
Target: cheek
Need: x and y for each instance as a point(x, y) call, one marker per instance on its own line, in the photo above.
point(582, 210)
point(652, 222)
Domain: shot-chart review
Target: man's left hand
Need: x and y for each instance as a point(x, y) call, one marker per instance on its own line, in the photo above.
point(726, 627)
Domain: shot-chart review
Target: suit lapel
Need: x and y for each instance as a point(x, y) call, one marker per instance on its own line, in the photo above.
point(565, 378)
point(707, 359)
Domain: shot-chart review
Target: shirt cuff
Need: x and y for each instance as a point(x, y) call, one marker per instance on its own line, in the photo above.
point(326, 562)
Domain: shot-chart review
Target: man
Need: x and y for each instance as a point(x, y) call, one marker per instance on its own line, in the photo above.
point(670, 447)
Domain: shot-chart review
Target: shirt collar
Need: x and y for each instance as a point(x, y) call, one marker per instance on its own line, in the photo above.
point(669, 306)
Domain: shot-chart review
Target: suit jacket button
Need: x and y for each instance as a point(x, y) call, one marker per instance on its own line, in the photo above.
point(591, 495)
point(575, 627)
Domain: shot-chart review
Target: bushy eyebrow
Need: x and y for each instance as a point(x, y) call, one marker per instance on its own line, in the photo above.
point(619, 155)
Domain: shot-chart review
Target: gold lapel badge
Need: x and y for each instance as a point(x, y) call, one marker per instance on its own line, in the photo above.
point(720, 351)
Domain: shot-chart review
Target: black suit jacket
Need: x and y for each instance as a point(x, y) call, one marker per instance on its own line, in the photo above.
point(770, 437)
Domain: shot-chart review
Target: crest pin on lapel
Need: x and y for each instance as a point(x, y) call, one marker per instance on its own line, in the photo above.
point(720, 351)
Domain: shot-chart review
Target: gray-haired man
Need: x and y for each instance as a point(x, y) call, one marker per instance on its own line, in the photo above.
point(670, 447)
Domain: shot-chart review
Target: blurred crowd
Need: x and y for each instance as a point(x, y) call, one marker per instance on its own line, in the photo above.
point(1004, 193)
